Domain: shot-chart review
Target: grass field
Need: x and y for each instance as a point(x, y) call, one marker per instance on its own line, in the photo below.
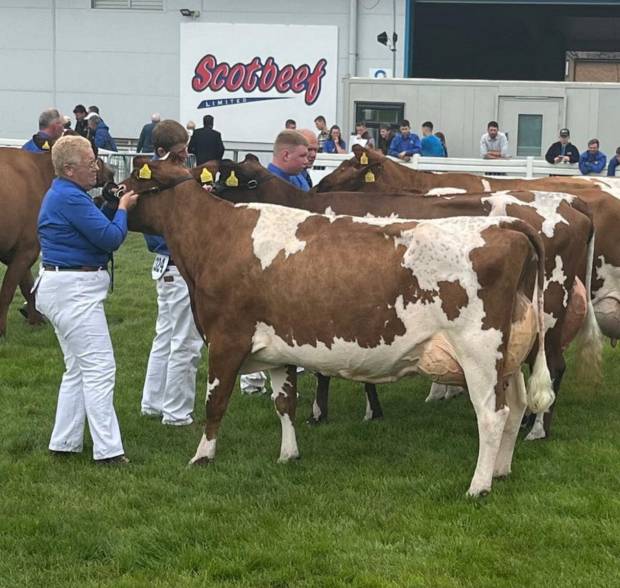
point(369, 504)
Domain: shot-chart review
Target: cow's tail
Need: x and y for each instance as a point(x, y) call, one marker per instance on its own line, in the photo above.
point(589, 339)
point(540, 395)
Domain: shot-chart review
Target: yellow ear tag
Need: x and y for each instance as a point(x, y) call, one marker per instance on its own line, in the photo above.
point(46, 146)
point(206, 177)
point(231, 180)
point(145, 172)
point(364, 160)
point(369, 178)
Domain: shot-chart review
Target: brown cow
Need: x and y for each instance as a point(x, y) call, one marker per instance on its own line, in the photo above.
point(562, 221)
point(25, 177)
point(275, 287)
point(371, 171)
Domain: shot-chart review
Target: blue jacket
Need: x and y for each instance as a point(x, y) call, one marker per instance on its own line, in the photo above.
point(330, 147)
point(73, 231)
point(32, 146)
point(299, 181)
point(613, 163)
point(589, 164)
point(409, 145)
point(432, 147)
point(102, 137)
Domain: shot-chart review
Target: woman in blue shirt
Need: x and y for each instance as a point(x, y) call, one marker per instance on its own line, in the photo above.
point(77, 241)
point(335, 143)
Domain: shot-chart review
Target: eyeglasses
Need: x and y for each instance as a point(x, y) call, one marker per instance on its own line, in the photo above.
point(92, 164)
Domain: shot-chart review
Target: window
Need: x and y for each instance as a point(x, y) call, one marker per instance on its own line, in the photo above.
point(529, 135)
point(375, 114)
point(129, 4)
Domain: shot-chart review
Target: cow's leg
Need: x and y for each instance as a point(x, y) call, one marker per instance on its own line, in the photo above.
point(33, 316)
point(443, 392)
point(487, 397)
point(516, 401)
point(13, 276)
point(284, 396)
point(373, 406)
point(223, 367)
point(321, 397)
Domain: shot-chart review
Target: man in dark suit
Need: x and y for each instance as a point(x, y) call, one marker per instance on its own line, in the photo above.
point(206, 144)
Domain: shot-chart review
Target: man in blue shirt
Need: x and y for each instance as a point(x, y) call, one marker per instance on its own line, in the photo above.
point(99, 133)
point(169, 388)
point(592, 161)
point(51, 127)
point(613, 163)
point(405, 143)
point(289, 162)
point(431, 145)
point(77, 240)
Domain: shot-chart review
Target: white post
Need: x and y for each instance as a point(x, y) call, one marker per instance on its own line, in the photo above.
point(415, 160)
point(529, 167)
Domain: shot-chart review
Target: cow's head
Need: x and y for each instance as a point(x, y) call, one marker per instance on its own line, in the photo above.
point(362, 169)
point(148, 176)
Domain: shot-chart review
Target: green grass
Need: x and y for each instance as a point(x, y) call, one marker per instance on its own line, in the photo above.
point(369, 504)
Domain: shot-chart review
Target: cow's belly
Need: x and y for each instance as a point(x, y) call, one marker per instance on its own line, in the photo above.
point(606, 300)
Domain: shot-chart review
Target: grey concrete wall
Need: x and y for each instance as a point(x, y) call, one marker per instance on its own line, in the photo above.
point(63, 52)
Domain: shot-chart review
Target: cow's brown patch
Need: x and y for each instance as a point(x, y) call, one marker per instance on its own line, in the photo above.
point(453, 297)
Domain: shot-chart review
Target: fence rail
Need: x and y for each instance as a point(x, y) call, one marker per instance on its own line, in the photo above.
point(325, 163)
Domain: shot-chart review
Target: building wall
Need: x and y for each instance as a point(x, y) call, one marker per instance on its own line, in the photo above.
point(63, 52)
point(462, 108)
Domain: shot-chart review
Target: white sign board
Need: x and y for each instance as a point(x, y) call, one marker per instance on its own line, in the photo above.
point(252, 77)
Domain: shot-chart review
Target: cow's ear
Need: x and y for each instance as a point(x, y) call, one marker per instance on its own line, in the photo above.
point(140, 160)
point(251, 157)
point(358, 151)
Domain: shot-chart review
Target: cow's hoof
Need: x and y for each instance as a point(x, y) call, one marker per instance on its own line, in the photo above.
point(200, 461)
point(536, 434)
point(312, 420)
point(475, 494)
point(375, 416)
point(288, 458)
point(501, 474)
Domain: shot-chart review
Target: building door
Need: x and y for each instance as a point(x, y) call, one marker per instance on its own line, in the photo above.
point(376, 114)
point(531, 124)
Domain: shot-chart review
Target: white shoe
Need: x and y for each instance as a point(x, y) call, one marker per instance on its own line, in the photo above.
point(253, 390)
point(182, 423)
point(147, 412)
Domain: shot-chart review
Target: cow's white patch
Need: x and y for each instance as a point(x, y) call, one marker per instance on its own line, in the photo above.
point(610, 275)
point(288, 449)
point(538, 429)
point(276, 231)
point(206, 449)
point(486, 186)
point(212, 386)
point(546, 204)
point(444, 191)
point(329, 211)
point(559, 277)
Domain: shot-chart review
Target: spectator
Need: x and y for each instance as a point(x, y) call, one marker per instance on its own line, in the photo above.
point(51, 127)
point(592, 161)
point(431, 145)
point(66, 124)
point(77, 241)
point(99, 133)
point(405, 143)
point(613, 163)
point(362, 134)
point(313, 149)
point(321, 124)
point(170, 383)
point(94, 109)
point(145, 142)
point(206, 143)
point(290, 124)
point(442, 138)
point(493, 144)
point(81, 124)
point(385, 138)
point(191, 127)
point(562, 151)
point(290, 159)
point(335, 143)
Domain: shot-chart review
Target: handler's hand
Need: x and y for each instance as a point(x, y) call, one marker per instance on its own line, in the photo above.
point(128, 200)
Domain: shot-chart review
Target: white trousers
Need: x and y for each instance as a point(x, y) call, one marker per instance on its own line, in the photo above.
point(73, 303)
point(170, 384)
point(252, 382)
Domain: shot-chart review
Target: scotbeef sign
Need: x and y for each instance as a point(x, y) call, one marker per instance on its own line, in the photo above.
point(252, 78)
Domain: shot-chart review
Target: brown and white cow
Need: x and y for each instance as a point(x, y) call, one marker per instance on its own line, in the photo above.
point(369, 170)
point(25, 177)
point(561, 219)
point(276, 287)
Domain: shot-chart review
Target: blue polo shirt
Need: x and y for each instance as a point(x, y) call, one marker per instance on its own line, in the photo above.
point(432, 147)
point(299, 181)
point(32, 146)
point(73, 231)
point(410, 145)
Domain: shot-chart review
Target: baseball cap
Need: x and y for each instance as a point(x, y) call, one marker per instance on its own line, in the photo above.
point(564, 133)
point(92, 115)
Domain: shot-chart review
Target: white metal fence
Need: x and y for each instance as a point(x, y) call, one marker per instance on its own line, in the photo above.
point(326, 162)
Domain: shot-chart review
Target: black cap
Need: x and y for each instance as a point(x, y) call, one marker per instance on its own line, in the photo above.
point(564, 133)
point(79, 108)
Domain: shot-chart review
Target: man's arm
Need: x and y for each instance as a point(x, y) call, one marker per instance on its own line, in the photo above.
point(394, 149)
point(503, 147)
point(484, 149)
point(599, 164)
point(141, 141)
